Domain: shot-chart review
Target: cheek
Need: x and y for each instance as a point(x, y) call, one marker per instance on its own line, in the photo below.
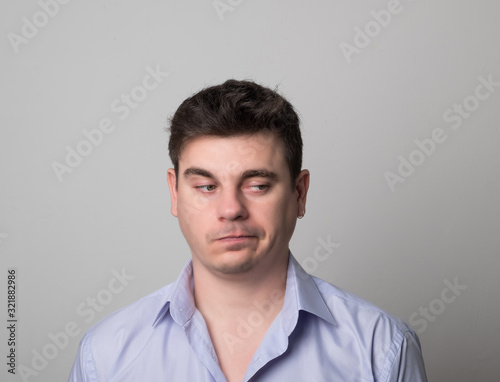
point(276, 213)
point(288, 213)
point(191, 203)
point(191, 213)
point(193, 228)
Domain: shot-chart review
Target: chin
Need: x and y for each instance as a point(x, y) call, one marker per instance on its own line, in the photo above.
point(236, 266)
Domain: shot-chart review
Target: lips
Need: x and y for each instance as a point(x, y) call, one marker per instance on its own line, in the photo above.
point(235, 237)
point(234, 233)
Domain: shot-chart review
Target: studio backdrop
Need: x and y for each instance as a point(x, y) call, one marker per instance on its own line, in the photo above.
point(399, 105)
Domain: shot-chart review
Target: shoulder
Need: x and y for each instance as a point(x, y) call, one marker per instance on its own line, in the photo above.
point(378, 334)
point(349, 309)
point(136, 314)
point(123, 333)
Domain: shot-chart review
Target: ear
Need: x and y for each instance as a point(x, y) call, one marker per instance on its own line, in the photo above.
point(301, 187)
point(172, 185)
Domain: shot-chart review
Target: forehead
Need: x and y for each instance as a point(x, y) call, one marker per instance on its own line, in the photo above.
point(234, 154)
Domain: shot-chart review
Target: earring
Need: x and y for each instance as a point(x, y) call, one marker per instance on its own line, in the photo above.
point(300, 216)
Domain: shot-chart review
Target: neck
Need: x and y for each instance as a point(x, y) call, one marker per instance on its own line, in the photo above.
point(227, 297)
point(239, 309)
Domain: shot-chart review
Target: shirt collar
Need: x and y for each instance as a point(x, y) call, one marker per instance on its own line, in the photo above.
point(301, 294)
point(180, 301)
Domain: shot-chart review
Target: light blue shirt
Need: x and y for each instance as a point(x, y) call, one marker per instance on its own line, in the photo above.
point(322, 333)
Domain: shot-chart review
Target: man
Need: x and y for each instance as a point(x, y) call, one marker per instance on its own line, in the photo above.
point(243, 309)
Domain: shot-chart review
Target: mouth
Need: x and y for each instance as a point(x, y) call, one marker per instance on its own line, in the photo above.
point(236, 242)
point(236, 237)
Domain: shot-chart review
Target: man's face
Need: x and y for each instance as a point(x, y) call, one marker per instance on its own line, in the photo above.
point(234, 201)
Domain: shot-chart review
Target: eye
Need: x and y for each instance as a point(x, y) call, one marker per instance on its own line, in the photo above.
point(207, 187)
point(259, 187)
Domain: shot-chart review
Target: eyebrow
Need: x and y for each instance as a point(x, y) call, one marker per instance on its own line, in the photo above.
point(198, 171)
point(257, 173)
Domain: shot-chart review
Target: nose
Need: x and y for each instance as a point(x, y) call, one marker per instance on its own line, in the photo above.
point(231, 206)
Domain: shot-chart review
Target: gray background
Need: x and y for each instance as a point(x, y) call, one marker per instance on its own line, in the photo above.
point(397, 248)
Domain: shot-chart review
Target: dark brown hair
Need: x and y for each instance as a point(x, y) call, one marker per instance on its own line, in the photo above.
point(237, 108)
